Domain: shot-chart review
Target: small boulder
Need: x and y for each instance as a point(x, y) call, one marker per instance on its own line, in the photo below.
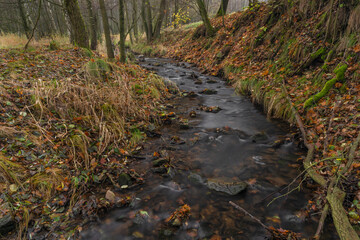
point(7, 224)
point(228, 187)
point(211, 81)
point(196, 179)
point(110, 196)
point(259, 137)
point(208, 91)
point(192, 114)
point(160, 162)
point(124, 179)
point(141, 217)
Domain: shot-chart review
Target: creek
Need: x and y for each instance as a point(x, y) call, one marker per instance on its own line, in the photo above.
point(227, 141)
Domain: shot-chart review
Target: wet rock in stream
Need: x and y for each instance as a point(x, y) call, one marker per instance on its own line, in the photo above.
point(7, 224)
point(141, 217)
point(159, 170)
point(208, 91)
point(259, 137)
point(212, 109)
point(196, 179)
point(124, 179)
point(192, 114)
point(211, 81)
point(229, 187)
point(184, 123)
point(160, 162)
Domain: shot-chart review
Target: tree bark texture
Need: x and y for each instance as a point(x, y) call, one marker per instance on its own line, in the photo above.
point(77, 23)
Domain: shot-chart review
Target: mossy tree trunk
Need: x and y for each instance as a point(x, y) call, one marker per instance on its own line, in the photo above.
point(223, 8)
point(205, 18)
point(109, 48)
point(93, 25)
point(77, 23)
point(122, 31)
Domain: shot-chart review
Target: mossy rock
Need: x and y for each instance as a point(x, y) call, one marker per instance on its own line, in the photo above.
point(229, 187)
point(98, 68)
point(13, 53)
point(124, 179)
point(54, 45)
point(87, 52)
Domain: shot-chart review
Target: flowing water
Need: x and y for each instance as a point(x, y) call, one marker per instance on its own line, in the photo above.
point(232, 145)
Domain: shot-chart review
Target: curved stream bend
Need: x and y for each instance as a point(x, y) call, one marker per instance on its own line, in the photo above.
point(234, 145)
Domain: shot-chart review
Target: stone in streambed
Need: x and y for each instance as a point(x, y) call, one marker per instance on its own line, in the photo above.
point(229, 187)
point(196, 179)
point(160, 162)
point(110, 196)
point(259, 137)
point(192, 114)
point(141, 217)
point(160, 170)
point(7, 224)
point(124, 179)
point(208, 91)
point(211, 81)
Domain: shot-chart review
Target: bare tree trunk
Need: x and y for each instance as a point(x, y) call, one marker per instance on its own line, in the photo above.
point(93, 25)
point(223, 8)
point(159, 20)
point(122, 31)
point(204, 16)
point(36, 24)
point(77, 23)
point(135, 20)
point(144, 19)
point(176, 10)
point(128, 24)
point(149, 21)
point(109, 48)
point(23, 18)
point(50, 15)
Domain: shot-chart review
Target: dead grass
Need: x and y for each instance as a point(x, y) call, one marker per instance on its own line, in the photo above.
point(354, 21)
point(46, 182)
point(105, 104)
point(10, 172)
point(12, 40)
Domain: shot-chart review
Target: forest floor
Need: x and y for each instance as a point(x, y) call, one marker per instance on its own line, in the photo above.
point(69, 125)
point(285, 67)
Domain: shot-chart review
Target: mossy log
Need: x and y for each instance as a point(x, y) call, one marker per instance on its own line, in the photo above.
point(341, 221)
point(340, 76)
point(335, 199)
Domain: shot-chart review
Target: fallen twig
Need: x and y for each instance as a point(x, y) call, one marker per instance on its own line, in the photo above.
point(249, 214)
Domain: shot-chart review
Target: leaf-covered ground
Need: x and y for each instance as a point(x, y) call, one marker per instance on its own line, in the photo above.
point(69, 124)
point(259, 50)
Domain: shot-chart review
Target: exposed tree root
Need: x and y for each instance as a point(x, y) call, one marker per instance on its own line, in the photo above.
point(335, 196)
point(309, 60)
